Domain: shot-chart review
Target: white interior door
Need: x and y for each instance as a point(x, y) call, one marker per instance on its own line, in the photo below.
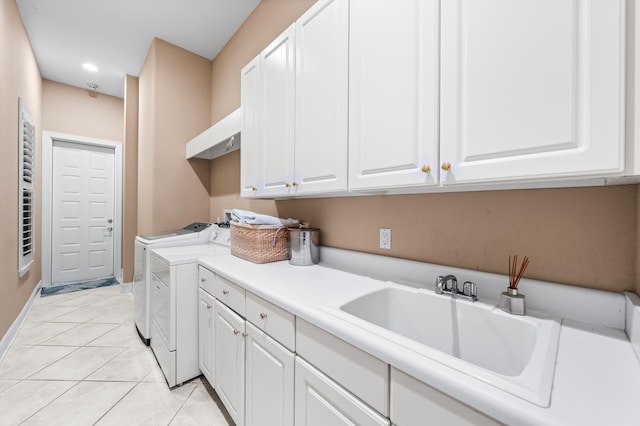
point(82, 243)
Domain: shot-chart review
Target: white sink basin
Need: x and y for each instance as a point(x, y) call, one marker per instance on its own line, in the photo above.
point(513, 353)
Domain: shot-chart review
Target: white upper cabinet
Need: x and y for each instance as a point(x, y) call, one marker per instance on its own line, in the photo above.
point(277, 72)
point(531, 89)
point(297, 109)
point(250, 151)
point(322, 76)
point(418, 95)
point(393, 93)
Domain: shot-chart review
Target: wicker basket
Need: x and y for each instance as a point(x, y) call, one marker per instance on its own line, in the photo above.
point(259, 243)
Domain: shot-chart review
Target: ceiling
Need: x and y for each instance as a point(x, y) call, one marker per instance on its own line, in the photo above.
point(115, 35)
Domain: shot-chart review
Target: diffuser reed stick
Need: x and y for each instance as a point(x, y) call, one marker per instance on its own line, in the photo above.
point(514, 273)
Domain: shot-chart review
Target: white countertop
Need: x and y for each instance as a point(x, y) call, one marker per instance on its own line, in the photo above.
point(597, 375)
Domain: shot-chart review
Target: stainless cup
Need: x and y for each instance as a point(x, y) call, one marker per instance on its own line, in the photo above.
point(304, 246)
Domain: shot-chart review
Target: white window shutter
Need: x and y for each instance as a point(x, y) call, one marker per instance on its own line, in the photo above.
point(26, 153)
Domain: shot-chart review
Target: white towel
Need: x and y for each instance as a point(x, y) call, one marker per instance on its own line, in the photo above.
point(252, 218)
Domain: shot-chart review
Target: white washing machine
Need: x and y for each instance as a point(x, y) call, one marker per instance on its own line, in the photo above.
point(195, 233)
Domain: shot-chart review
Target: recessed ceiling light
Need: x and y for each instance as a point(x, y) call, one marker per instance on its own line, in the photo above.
point(90, 67)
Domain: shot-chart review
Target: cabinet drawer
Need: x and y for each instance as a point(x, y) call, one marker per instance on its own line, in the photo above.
point(163, 312)
point(363, 375)
point(273, 320)
point(230, 294)
point(321, 401)
point(206, 279)
point(413, 401)
point(160, 268)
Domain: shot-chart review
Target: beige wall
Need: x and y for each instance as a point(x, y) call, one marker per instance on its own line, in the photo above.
point(80, 112)
point(174, 106)
point(581, 236)
point(268, 19)
point(146, 136)
point(225, 186)
point(130, 177)
point(19, 77)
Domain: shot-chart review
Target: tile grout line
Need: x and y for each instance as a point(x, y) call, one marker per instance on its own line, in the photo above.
point(50, 402)
point(183, 403)
point(112, 306)
point(116, 403)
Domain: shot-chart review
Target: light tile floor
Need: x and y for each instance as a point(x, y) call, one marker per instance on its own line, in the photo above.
point(77, 360)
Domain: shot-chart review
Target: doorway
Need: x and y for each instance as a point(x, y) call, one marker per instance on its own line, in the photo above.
point(82, 209)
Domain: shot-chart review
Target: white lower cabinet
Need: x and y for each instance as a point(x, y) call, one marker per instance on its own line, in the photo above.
point(274, 369)
point(414, 402)
point(206, 317)
point(362, 374)
point(229, 353)
point(320, 401)
point(269, 381)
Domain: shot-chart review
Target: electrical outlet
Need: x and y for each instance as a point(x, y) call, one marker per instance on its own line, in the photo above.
point(385, 238)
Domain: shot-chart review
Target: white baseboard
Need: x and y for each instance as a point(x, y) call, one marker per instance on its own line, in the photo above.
point(126, 287)
point(11, 334)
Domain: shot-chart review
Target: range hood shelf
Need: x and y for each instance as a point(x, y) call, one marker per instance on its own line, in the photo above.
point(218, 140)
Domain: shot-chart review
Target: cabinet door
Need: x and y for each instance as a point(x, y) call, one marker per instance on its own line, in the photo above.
point(393, 93)
point(206, 309)
point(269, 381)
point(277, 63)
point(413, 402)
point(229, 361)
point(250, 152)
point(531, 89)
point(320, 401)
point(322, 73)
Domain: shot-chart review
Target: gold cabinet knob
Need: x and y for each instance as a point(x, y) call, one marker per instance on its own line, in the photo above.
point(446, 166)
point(253, 188)
point(295, 184)
point(426, 168)
point(287, 184)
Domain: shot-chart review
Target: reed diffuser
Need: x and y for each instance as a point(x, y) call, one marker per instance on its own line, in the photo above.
point(511, 301)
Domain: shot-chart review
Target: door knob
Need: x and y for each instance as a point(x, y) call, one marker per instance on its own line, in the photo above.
point(109, 220)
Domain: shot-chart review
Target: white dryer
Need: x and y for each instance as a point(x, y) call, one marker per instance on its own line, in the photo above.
point(174, 300)
point(195, 233)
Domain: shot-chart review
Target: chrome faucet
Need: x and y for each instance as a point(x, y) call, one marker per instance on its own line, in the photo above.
point(469, 289)
point(441, 284)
